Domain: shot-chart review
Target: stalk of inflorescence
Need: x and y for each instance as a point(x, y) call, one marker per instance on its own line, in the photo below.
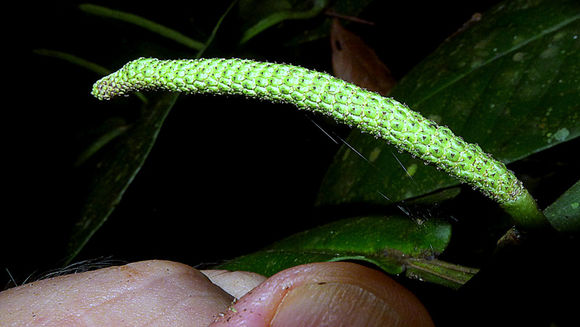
point(383, 117)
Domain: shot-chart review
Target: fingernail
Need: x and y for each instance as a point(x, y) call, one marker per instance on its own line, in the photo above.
point(333, 304)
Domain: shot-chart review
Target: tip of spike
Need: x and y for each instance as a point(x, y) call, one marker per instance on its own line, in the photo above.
point(105, 89)
point(97, 92)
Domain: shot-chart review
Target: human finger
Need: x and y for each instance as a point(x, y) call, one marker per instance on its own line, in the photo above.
point(327, 294)
point(160, 293)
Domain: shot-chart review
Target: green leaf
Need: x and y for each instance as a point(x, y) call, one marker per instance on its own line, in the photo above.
point(117, 169)
point(510, 83)
point(439, 272)
point(215, 29)
point(564, 213)
point(392, 243)
point(273, 12)
point(74, 60)
point(109, 131)
point(143, 23)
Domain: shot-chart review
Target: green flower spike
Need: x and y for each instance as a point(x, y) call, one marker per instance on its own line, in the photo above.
point(372, 113)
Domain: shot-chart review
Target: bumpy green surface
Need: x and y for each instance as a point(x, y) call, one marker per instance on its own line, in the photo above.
point(372, 113)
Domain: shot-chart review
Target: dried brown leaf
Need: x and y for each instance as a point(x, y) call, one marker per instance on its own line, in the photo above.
point(356, 62)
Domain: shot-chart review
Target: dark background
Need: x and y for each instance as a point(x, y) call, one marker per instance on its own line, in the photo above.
point(227, 176)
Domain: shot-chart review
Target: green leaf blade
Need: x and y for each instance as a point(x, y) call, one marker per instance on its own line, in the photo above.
point(269, 262)
point(389, 242)
point(143, 23)
point(116, 171)
point(375, 236)
point(564, 213)
point(278, 12)
point(91, 66)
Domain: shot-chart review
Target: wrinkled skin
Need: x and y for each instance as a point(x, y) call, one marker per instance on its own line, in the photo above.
point(164, 293)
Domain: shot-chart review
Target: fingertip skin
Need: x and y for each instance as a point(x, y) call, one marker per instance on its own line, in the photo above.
point(259, 307)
